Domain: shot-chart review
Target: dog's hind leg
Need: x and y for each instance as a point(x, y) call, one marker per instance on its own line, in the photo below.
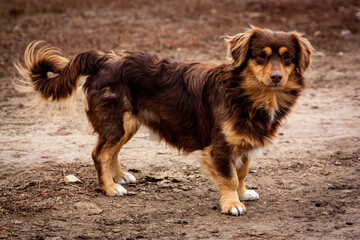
point(131, 125)
point(221, 170)
point(102, 156)
point(110, 116)
point(109, 173)
point(242, 168)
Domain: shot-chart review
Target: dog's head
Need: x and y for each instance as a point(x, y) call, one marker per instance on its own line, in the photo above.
point(271, 57)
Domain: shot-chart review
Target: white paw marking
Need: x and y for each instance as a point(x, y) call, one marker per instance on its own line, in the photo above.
point(120, 191)
point(238, 210)
point(129, 178)
point(250, 195)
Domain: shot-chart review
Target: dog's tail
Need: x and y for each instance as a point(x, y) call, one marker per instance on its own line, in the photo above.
point(51, 75)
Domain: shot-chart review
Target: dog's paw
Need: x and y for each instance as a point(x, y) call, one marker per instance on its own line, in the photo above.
point(250, 195)
point(128, 178)
point(120, 191)
point(238, 210)
point(235, 209)
point(116, 190)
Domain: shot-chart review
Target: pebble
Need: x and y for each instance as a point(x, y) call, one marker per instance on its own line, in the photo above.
point(88, 208)
point(345, 32)
point(317, 204)
point(317, 33)
point(310, 229)
point(214, 208)
point(349, 223)
point(71, 179)
point(346, 191)
point(181, 222)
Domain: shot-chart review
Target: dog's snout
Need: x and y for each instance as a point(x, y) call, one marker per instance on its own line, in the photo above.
point(276, 77)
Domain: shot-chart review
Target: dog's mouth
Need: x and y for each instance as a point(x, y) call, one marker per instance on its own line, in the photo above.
point(275, 85)
point(272, 85)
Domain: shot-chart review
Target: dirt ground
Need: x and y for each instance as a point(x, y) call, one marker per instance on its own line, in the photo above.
point(308, 179)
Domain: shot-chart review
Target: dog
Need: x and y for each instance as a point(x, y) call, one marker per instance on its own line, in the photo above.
point(227, 110)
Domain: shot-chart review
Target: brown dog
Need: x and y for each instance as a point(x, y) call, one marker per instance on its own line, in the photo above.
point(225, 110)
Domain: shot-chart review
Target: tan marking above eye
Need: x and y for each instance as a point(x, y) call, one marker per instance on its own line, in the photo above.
point(282, 50)
point(268, 51)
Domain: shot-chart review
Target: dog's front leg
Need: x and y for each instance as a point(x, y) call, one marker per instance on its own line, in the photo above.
point(242, 168)
point(219, 165)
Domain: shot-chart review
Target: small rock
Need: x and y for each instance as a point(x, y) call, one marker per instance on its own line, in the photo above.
point(252, 171)
point(345, 32)
point(337, 227)
point(340, 53)
point(216, 230)
point(317, 204)
point(317, 33)
point(310, 229)
point(72, 179)
point(349, 223)
point(320, 54)
point(346, 190)
point(337, 163)
point(214, 11)
point(214, 208)
point(181, 222)
point(88, 208)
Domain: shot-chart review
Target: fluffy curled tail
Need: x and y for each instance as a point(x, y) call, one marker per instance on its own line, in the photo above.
point(51, 75)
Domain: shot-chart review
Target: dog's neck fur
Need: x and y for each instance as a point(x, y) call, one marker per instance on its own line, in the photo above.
point(254, 109)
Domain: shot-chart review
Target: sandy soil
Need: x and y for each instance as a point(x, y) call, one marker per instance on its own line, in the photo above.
point(308, 180)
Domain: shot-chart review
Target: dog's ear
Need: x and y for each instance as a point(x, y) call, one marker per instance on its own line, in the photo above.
point(239, 46)
point(304, 51)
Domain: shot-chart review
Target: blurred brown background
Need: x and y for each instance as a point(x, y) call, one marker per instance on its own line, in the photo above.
point(173, 28)
point(308, 180)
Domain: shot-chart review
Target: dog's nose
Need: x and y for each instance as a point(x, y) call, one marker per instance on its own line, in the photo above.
point(276, 77)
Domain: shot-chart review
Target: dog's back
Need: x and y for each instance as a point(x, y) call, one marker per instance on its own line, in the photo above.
point(167, 96)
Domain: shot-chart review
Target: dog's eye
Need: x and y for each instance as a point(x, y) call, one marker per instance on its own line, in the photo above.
point(261, 58)
point(287, 58)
